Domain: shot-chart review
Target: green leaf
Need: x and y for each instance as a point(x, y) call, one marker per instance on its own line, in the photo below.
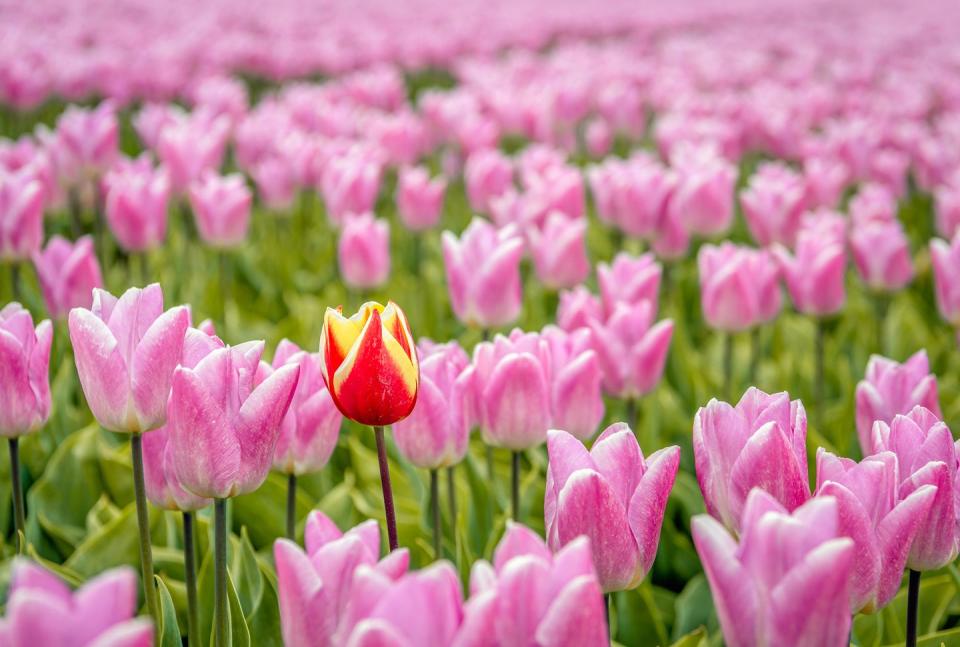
point(239, 632)
point(246, 573)
point(694, 608)
point(696, 638)
point(116, 543)
point(936, 593)
point(264, 624)
point(168, 631)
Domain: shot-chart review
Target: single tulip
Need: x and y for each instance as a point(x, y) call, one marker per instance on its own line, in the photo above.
point(276, 183)
point(87, 142)
point(126, 350)
point(926, 455)
point(946, 278)
point(220, 95)
point(42, 610)
point(193, 147)
point(881, 525)
point(632, 349)
point(612, 495)
point(759, 443)
point(68, 272)
point(437, 431)
point(556, 188)
point(598, 137)
point(487, 175)
point(814, 274)
point(350, 184)
point(890, 388)
point(787, 582)
point(160, 478)
point(369, 363)
point(642, 190)
point(559, 251)
point(773, 204)
point(873, 203)
point(419, 198)
point(825, 179)
point(136, 207)
point(21, 216)
point(576, 382)
point(319, 588)
point(530, 596)
point(881, 254)
point(630, 280)
point(309, 431)
point(703, 197)
point(363, 251)
point(483, 274)
point(577, 308)
point(739, 286)
point(221, 207)
point(24, 380)
point(153, 118)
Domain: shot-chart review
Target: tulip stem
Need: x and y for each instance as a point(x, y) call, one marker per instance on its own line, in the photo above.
point(387, 490)
point(143, 524)
point(21, 527)
point(913, 599)
point(292, 506)
point(452, 496)
point(756, 349)
point(190, 568)
point(728, 366)
point(882, 304)
point(515, 485)
point(606, 616)
point(435, 512)
point(220, 571)
point(818, 374)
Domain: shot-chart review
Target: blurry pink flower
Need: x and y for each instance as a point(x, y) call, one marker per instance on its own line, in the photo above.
point(703, 198)
point(136, 207)
point(577, 308)
point(947, 207)
point(630, 280)
point(598, 137)
point(632, 349)
point(87, 142)
point(153, 118)
point(350, 184)
point(487, 175)
point(613, 496)
point(873, 203)
point(739, 286)
point(672, 239)
point(641, 192)
point(825, 179)
point(192, 148)
point(419, 198)
point(576, 381)
point(559, 251)
point(21, 216)
point(773, 203)
point(68, 273)
point(220, 95)
point(946, 278)
point(276, 183)
point(363, 251)
point(221, 209)
point(814, 274)
point(881, 254)
point(24, 381)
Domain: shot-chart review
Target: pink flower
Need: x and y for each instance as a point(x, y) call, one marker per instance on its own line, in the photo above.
point(947, 207)
point(136, 206)
point(350, 184)
point(577, 308)
point(87, 142)
point(825, 179)
point(24, 378)
point(815, 273)
point(787, 582)
point(946, 278)
point(598, 137)
point(629, 280)
point(21, 216)
point(363, 251)
point(773, 203)
point(487, 174)
point(221, 208)
point(739, 286)
point(703, 198)
point(873, 203)
point(192, 148)
point(612, 495)
point(881, 254)
point(276, 182)
point(162, 485)
point(68, 273)
point(419, 199)
point(759, 443)
point(632, 349)
point(559, 251)
point(576, 379)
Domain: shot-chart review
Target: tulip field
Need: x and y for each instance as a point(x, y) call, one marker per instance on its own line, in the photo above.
point(479, 323)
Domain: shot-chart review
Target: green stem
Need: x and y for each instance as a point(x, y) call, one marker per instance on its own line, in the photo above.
point(756, 350)
point(292, 507)
point(435, 513)
point(15, 280)
point(818, 376)
point(913, 602)
point(728, 367)
point(882, 304)
point(20, 525)
point(606, 615)
point(221, 616)
point(190, 567)
point(515, 485)
point(143, 524)
point(452, 497)
point(389, 511)
point(630, 413)
point(490, 463)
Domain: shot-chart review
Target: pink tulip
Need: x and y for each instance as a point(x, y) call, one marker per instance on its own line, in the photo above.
point(632, 349)
point(436, 433)
point(873, 203)
point(87, 142)
point(163, 488)
point(24, 379)
point(221, 208)
point(576, 380)
point(512, 390)
point(221, 95)
point(739, 286)
point(529, 596)
point(881, 253)
point(153, 118)
point(761, 442)
point(483, 274)
point(773, 203)
point(68, 273)
point(577, 308)
point(947, 207)
point(559, 251)
point(629, 279)
point(276, 183)
point(136, 207)
point(320, 588)
point(192, 148)
point(126, 350)
point(946, 278)
point(926, 455)
point(825, 179)
point(556, 188)
point(487, 174)
point(703, 198)
point(363, 251)
point(419, 199)
point(612, 495)
point(350, 183)
point(224, 424)
point(21, 216)
point(814, 273)
point(42, 610)
point(890, 388)
point(641, 194)
point(881, 526)
point(671, 241)
point(598, 137)
point(787, 582)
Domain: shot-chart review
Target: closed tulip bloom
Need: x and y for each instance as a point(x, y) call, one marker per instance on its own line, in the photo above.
point(511, 387)
point(629, 279)
point(881, 254)
point(487, 174)
point(483, 274)
point(632, 349)
point(350, 184)
point(193, 147)
point(224, 423)
point(947, 207)
point(126, 350)
point(363, 251)
point(163, 488)
point(642, 190)
point(68, 272)
point(598, 137)
point(787, 582)
point(773, 204)
point(946, 278)
point(671, 242)
point(42, 610)
point(87, 142)
point(318, 588)
point(530, 596)
point(419, 198)
point(825, 178)
point(703, 197)
point(761, 442)
point(926, 455)
point(21, 216)
point(221, 207)
point(577, 308)
point(559, 251)
point(873, 203)
point(136, 207)
point(814, 274)
point(612, 495)
point(890, 388)
point(576, 381)
point(24, 377)
point(881, 525)
point(369, 363)
point(739, 286)
point(276, 183)
point(436, 433)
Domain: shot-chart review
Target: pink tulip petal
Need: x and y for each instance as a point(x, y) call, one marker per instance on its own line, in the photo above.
point(649, 501)
point(103, 373)
point(517, 541)
point(157, 354)
point(576, 617)
point(896, 533)
point(305, 614)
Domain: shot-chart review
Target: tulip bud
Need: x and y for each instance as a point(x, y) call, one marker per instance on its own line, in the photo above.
point(419, 199)
point(21, 216)
point(24, 381)
point(68, 273)
point(703, 198)
point(576, 381)
point(136, 206)
point(739, 286)
point(350, 183)
point(773, 204)
point(193, 147)
point(363, 251)
point(87, 142)
point(221, 207)
point(369, 363)
point(946, 278)
point(825, 179)
point(629, 280)
point(487, 175)
point(881, 254)
point(577, 308)
point(632, 349)
point(598, 137)
point(873, 203)
point(559, 251)
point(276, 183)
point(815, 273)
point(947, 207)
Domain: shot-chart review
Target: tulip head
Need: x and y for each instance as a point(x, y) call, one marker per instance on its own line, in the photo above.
point(24, 376)
point(363, 251)
point(629, 280)
point(739, 286)
point(881, 254)
point(419, 198)
point(945, 258)
point(369, 363)
point(68, 273)
point(162, 485)
point(559, 251)
point(221, 206)
point(136, 206)
point(814, 273)
point(21, 215)
point(773, 204)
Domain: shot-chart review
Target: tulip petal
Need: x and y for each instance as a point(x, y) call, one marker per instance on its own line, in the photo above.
point(618, 458)
point(768, 462)
point(516, 403)
point(305, 616)
point(576, 617)
point(157, 354)
point(522, 598)
point(646, 508)
point(31, 617)
point(103, 602)
point(339, 335)
point(479, 621)
point(18, 402)
point(434, 591)
point(854, 522)
point(518, 541)
point(896, 533)
point(133, 633)
point(935, 543)
point(103, 373)
point(318, 531)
